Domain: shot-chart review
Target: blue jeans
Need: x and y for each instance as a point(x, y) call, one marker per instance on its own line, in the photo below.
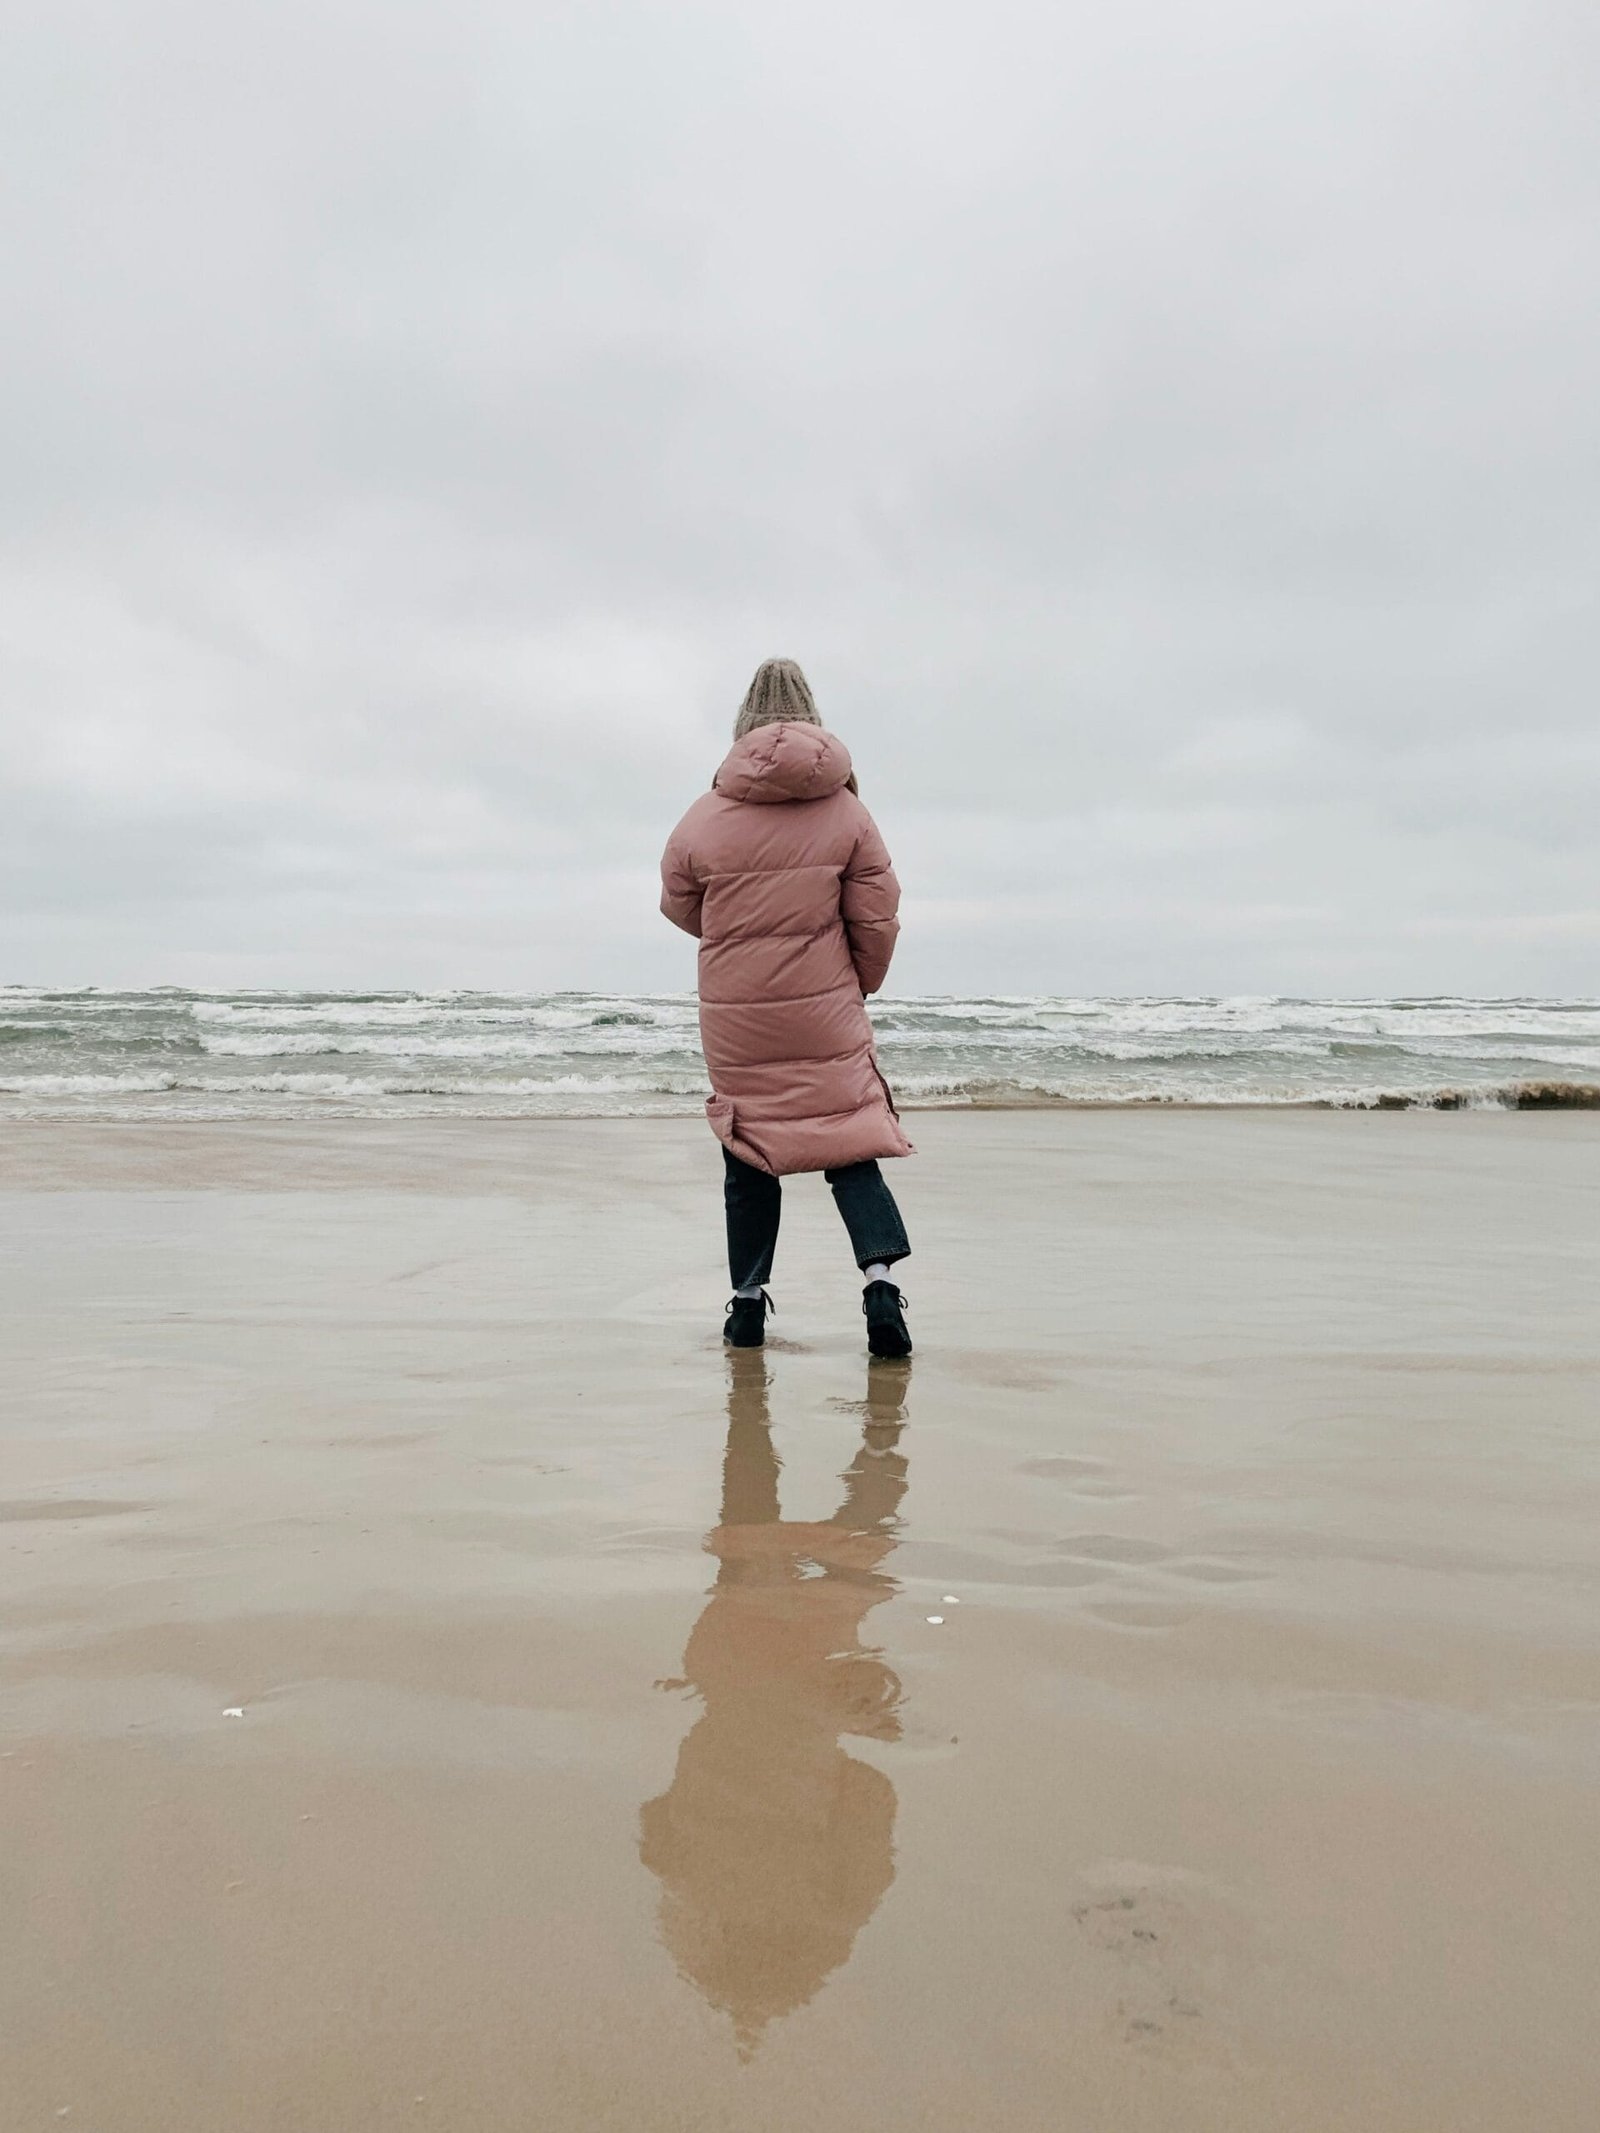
point(754, 1203)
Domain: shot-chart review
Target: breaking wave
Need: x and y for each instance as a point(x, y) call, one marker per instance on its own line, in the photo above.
point(249, 1053)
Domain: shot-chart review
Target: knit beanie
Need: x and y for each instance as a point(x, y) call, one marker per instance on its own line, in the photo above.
point(779, 693)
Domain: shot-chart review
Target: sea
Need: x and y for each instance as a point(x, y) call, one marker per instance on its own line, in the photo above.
point(169, 1052)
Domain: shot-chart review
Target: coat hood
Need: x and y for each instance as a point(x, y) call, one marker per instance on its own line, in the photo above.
point(784, 762)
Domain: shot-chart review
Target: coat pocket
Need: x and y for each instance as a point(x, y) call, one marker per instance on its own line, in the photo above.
point(724, 1123)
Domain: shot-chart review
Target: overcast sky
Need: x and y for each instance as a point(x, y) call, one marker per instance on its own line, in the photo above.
point(1167, 433)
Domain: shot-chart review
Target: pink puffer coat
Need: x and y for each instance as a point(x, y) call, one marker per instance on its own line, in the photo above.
point(781, 873)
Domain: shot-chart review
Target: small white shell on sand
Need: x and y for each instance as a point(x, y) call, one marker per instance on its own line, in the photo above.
point(234, 1710)
point(950, 1600)
point(936, 1619)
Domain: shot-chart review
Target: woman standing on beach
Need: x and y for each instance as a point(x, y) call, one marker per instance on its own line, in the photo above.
point(780, 873)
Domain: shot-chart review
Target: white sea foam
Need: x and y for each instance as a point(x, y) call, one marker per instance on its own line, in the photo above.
point(422, 1014)
point(288, 1044)
point(249, 1052)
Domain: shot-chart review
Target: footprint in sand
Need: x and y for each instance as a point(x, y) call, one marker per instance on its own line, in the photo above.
point(1168, 1948)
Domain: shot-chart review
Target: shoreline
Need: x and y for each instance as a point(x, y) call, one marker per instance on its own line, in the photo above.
point(1565, 1097)
point(1528, 1097)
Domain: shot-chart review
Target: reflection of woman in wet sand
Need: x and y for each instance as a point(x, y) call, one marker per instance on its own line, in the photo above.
point(773, 1845)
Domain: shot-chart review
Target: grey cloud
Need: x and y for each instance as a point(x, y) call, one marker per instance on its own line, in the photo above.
point(1167, 435)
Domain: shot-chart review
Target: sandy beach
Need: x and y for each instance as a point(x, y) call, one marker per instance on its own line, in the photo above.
point(439, 1686)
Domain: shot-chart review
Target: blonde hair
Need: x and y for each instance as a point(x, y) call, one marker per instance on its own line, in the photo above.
point(778, 693)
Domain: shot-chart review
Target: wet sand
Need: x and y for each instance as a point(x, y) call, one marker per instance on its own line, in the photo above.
point(596, 1763)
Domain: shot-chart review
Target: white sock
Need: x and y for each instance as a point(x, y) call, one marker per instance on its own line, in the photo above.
point(755, 1291)
point(878, 1271)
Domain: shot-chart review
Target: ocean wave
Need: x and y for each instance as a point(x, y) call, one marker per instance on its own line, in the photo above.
point(1256, 1017)
point(343, 1085)
point(1509, 1096)
point(278, 1044)
point(88, 1084)
point(1505, 1096)
point(424, 1014)
point(255, 1052)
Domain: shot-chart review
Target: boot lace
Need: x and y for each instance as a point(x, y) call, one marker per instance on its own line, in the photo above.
point(735, 1301)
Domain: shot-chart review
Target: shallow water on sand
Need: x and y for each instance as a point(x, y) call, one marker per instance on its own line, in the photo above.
point(438, 1684)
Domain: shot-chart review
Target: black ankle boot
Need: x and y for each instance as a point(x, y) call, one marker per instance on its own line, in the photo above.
point(746, 1325)
point(886, 1327)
